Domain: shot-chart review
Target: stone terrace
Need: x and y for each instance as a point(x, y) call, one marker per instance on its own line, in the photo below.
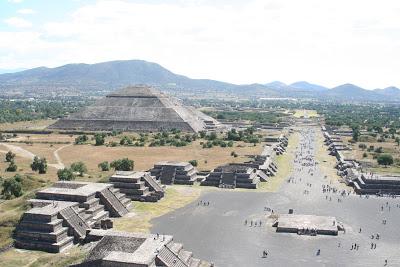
point(137, 249)
point(61, 214)
point(138, 185)
point(174, 172)
point(233, 176)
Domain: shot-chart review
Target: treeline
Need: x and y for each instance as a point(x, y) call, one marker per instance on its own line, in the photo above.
point(28, 110)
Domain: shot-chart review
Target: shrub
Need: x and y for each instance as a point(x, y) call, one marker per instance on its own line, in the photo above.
point(12, 187)
point(100, 139)
point(385, 159)
point(10, 156)
point(65, 175)
point(81, 139)
point(104, 166)
point(124, 164)
point(79, 167)
point(193, 162)
point(12, 167)
point(362, 146)
point(39, 164)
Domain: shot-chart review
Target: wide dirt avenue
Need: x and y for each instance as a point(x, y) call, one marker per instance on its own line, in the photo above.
point(218, 232)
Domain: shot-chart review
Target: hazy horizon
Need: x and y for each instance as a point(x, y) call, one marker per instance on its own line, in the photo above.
point(327, 43)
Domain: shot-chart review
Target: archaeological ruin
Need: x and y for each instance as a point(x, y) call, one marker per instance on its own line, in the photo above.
point(137, 108)
point(233, 176)
point(61, 214)
point(307, 224)
point(174, 172)
point(114, 249)
point(138, 185)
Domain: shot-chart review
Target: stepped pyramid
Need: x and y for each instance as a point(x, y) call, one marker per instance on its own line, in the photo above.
point(137, 108)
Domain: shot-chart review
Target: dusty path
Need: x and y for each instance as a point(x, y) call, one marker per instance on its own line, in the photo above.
point(19, 151)
point(29, 155)
point(59, 164)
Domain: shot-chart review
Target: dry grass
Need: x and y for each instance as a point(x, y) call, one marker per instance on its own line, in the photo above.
point(26, 125)
point(145, 157)
point(26, 258)
point(139, 219)
point(285, 164)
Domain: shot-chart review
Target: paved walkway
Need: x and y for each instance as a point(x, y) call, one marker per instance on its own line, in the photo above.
point(217, 232)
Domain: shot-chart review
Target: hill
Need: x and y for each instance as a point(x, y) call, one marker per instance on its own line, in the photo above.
point(89, 79)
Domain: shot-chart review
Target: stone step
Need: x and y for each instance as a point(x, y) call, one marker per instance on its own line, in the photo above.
point(185, 255)
point(52, 237)
point(52, 226)
point(168, 258)
point(44, 246)
point(91, 203)
point(95, 210)
point(101, 215)
point(195, 262)
point(175, 247)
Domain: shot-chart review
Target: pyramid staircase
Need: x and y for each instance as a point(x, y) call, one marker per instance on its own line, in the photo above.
point(75, 222)
point(114, 201)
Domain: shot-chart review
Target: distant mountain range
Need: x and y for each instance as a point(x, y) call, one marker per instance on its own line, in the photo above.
point(116, 74)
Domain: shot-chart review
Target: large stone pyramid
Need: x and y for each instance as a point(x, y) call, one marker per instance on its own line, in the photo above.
point(136, 108)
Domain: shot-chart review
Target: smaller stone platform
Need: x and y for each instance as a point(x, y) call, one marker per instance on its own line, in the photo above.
point(307, 224)
point(233, 176)
point(174, 172)
point(138, 185)
point(117, 249)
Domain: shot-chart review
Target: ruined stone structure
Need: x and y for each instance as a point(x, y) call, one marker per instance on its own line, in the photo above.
point(115, 249)
point(137, 108)
point(307, 224)
point(174, 172)
point(61, 214)
point(368, 183)
point(137, 185)
point(233, 176)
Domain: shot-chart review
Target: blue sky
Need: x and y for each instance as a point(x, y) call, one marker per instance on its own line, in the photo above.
point(328, 42)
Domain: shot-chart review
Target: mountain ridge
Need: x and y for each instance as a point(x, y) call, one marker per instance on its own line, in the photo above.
point(116, 74)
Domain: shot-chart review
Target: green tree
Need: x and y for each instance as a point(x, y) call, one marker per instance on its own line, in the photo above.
point(124, 164)
point(12, 167)
point(385, 159)
point(39, 164)
point(12, 187)
point(100, 139)
point(65, 175)
point(125, 140)
point(10, 156)
point(104, 166)
point(81, 139)
point(79, 167)
point(356, 133)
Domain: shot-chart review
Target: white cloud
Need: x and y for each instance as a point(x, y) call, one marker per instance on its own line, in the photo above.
point(15, 1)
point(18, 22)
point(328, 42)
point(26, 11)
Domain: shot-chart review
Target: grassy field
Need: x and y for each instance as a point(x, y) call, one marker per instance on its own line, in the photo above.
point(139, 219)
point(26, 258)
